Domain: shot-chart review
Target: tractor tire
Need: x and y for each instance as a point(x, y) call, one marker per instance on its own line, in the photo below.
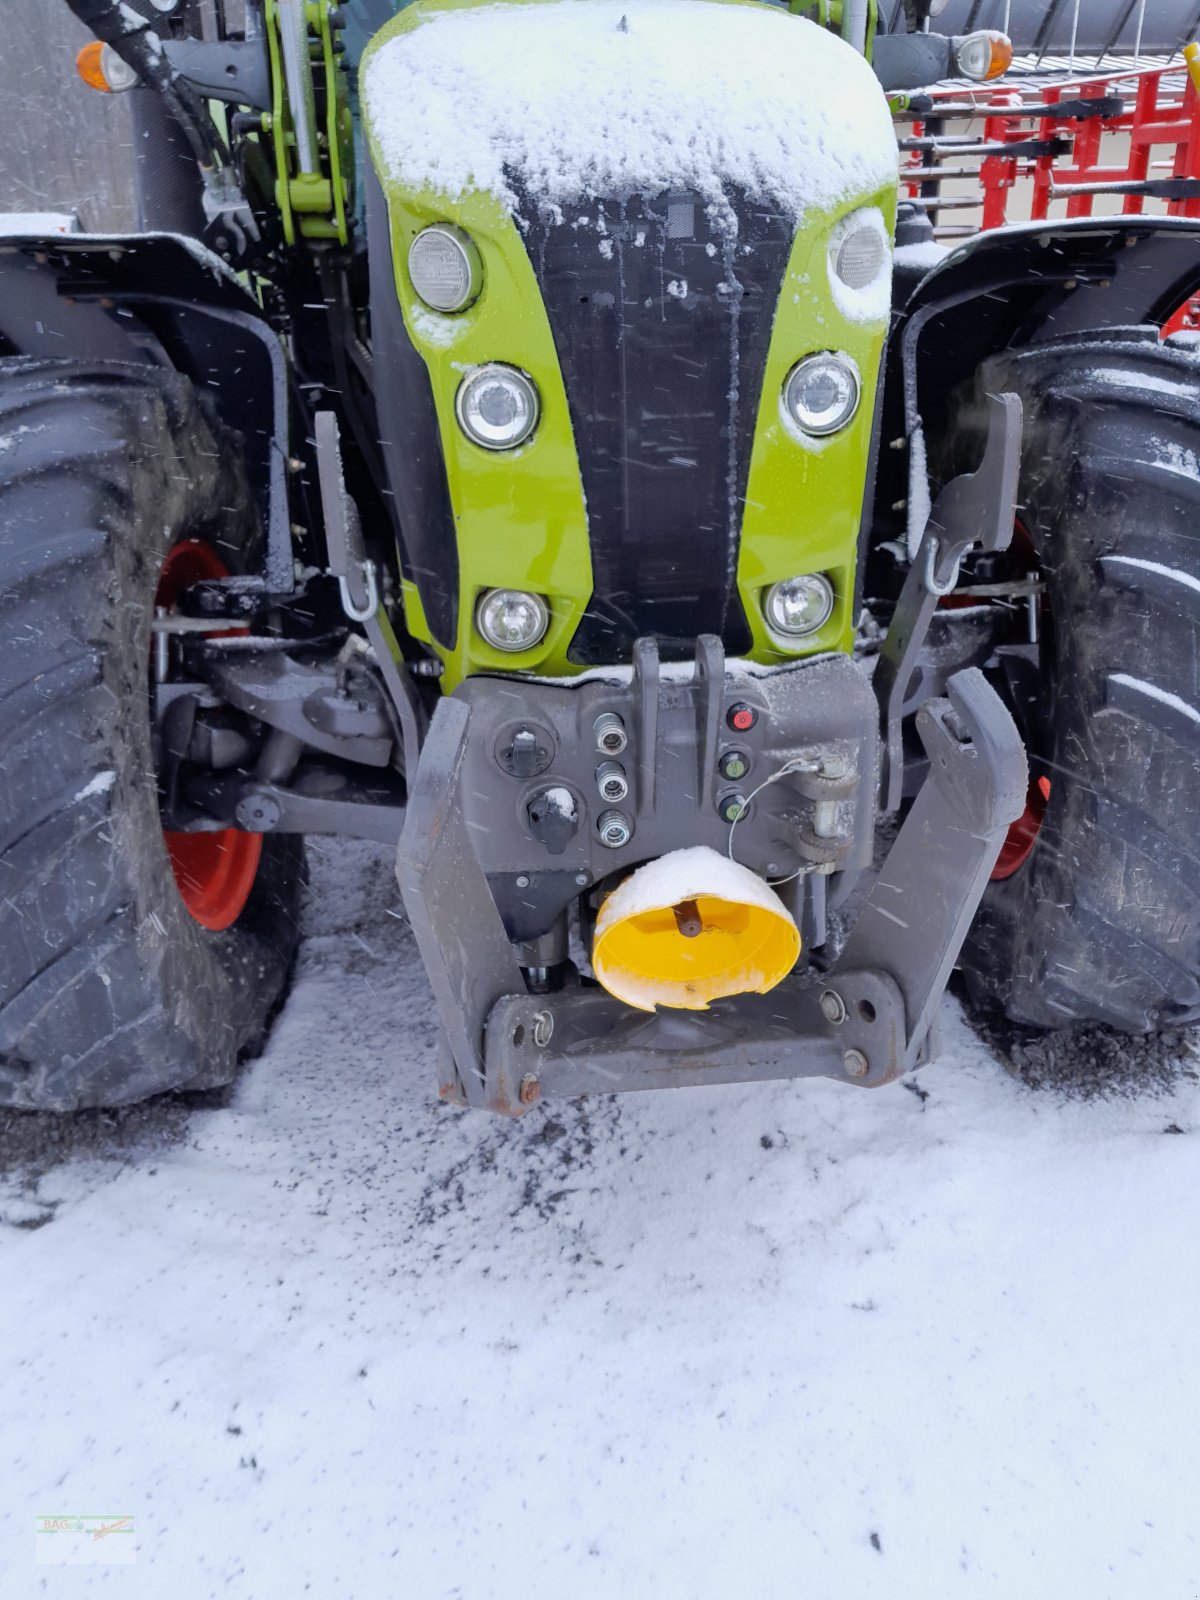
point(1100, 922)
point(110, 990)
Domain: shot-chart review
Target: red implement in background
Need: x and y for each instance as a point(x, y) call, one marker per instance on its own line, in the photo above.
point(1126, 140)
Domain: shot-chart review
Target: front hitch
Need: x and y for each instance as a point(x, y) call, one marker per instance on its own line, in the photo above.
point(865, 1020)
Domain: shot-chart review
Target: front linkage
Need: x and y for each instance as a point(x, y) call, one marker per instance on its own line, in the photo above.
point(865, 1020)
point(464, 860)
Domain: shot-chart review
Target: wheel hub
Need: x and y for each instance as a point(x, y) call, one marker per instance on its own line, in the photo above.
point(214, 872)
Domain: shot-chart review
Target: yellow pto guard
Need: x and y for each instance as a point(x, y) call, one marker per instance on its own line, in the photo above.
point(692, 927)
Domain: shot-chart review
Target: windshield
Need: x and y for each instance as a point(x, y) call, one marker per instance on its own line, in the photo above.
point(364, 18)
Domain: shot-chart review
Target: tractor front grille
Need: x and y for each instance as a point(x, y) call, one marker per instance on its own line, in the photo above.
point(661, 313)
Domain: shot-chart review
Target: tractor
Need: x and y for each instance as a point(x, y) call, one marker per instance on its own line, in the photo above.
point(534, 436)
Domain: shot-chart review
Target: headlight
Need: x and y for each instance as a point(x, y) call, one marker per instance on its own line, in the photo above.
point(821, 393)
point(511, 619)
point(799, 606)
point(984, 55)
point(497, 407)
point(859, 249)
point(445, 268)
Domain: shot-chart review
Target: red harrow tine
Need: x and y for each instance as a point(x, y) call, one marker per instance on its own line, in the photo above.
point(1065, 156)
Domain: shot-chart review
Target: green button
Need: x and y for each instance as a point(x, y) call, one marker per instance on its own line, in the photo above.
point(732, 807)
point(734, 764)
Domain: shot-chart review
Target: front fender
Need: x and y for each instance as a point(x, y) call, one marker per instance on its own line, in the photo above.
point(159, 299)
point(1010, 288)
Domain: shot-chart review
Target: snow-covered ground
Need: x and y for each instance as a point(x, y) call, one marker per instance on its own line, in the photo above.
point(797, 1340)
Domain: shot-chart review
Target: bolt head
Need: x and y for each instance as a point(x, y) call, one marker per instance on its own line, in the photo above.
point(530, 1090)
point(522, 880)
point(833, 1007)
point(856, 1064)
point(258, 813)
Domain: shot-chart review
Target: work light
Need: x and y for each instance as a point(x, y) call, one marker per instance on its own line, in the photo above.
point(512, 619)
point(497, 406)
point(859, 249)
point(797, 607)
point(821, 393)
point(445, 268)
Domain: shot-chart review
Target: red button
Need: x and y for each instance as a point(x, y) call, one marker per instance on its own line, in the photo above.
point(741, 718)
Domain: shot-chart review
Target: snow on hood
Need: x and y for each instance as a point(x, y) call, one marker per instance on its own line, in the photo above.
point(602, 97)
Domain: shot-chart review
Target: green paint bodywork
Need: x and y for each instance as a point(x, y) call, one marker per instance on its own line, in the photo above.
point(804, 501)
point(520, 515)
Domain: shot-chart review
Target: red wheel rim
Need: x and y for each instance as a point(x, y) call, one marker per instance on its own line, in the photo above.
point(214, 872)
point(1185, 320)
point(1023, 834)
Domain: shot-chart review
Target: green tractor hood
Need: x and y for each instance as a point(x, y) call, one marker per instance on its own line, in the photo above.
point(655, 196)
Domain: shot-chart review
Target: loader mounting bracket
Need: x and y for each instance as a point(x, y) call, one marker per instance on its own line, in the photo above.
point(977, 508)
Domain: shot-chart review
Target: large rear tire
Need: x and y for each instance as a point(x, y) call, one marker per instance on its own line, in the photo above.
point(1100, 922)
point(110, 990)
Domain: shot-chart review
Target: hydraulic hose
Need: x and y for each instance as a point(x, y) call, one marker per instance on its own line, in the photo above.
point(136, 42)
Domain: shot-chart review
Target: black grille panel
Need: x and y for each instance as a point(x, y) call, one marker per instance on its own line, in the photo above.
point(661, 317)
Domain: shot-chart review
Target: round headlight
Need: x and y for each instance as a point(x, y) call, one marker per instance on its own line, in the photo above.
point(511, 619)
point(859, 250)
point(799, 606)
point(445, 268)
point(497, 407)
point(821, 393)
